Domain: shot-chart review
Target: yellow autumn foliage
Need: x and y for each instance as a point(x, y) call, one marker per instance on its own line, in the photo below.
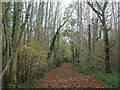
point(33, 57)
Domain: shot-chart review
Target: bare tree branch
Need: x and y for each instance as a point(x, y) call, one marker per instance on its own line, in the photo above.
point(96, 11)
point(99, 6)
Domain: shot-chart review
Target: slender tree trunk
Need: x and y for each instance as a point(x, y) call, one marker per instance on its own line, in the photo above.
point(89, 41)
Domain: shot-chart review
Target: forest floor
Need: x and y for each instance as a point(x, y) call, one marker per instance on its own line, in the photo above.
point(66, 77)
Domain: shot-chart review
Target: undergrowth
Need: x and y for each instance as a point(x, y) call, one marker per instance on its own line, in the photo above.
point(109, 80)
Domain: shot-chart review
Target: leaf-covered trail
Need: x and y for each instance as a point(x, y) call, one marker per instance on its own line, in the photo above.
point(66, 77)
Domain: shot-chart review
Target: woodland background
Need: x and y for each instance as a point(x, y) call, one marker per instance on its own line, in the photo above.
point(37, 37)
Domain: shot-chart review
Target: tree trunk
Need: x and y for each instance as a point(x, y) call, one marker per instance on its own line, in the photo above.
point(89, 42)
point(107, 50)
point(14, 66)
point(106, 38)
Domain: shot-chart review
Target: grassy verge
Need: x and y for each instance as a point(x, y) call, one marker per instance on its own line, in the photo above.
point(109, 80)
point(20, 85)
